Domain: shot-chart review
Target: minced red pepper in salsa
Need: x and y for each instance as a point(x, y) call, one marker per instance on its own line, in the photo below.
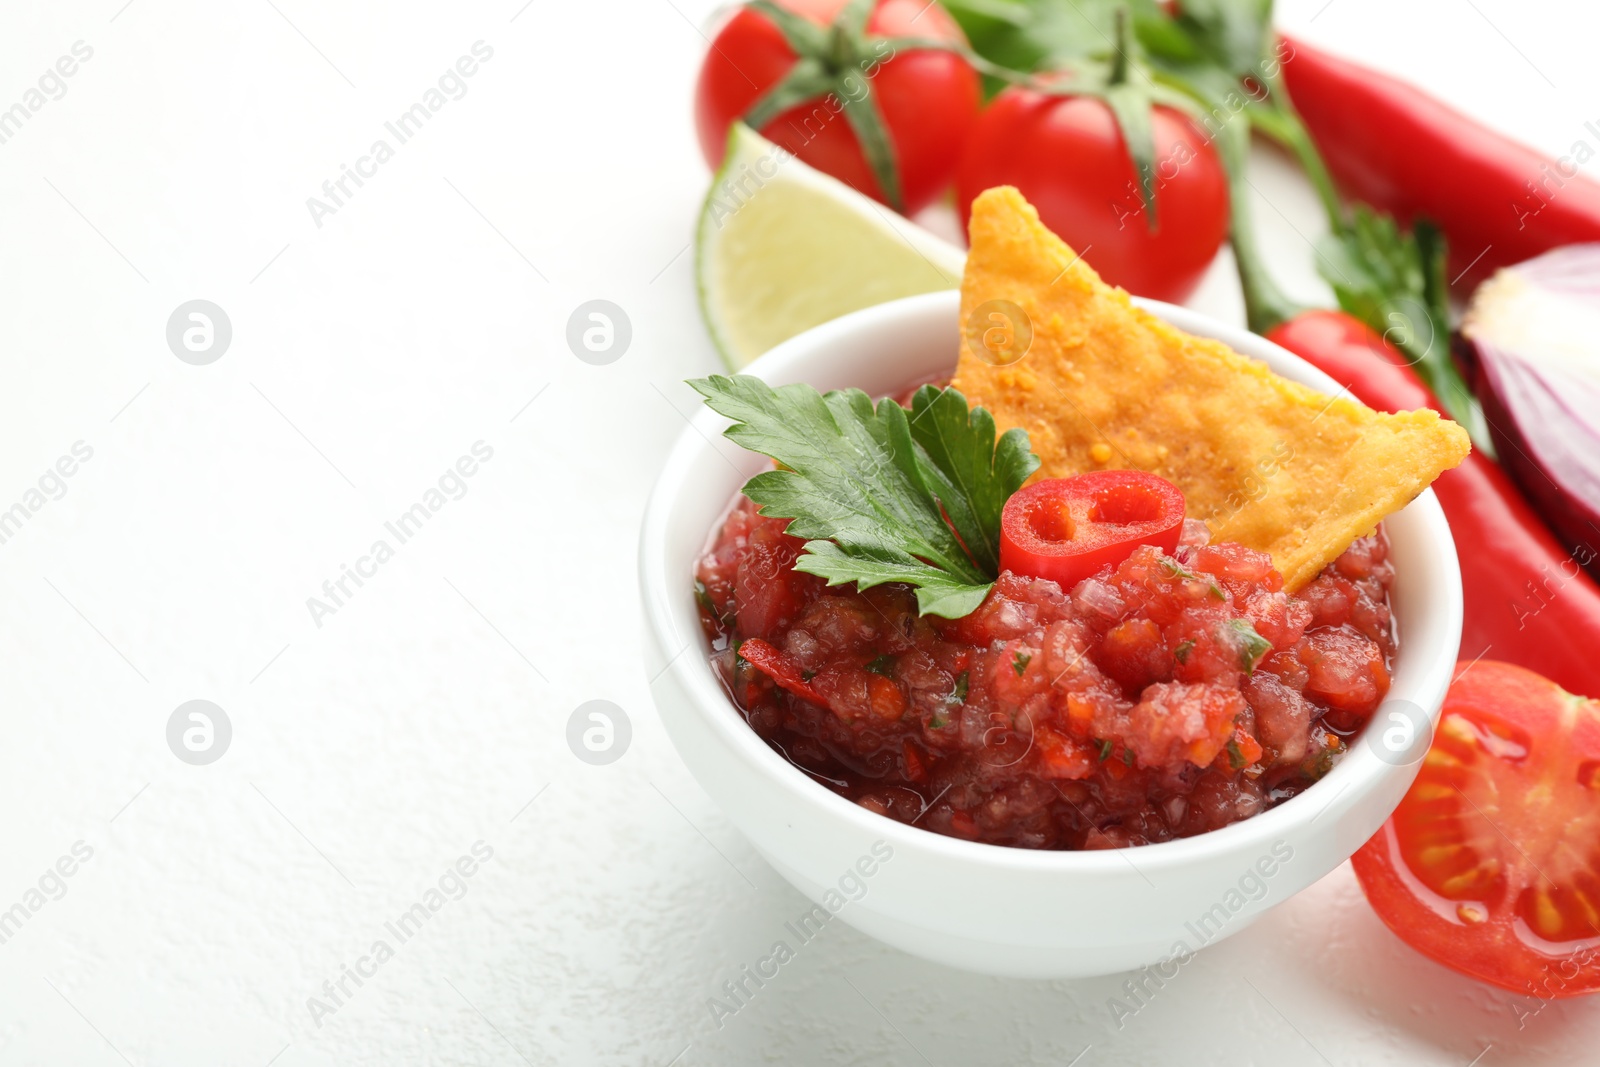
point(1166, 696)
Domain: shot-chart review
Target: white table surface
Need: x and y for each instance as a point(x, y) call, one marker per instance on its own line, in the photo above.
point(424, 715)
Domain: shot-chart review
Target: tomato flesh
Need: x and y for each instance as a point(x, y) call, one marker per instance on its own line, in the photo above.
point(1065, 529)
point(1491, 863)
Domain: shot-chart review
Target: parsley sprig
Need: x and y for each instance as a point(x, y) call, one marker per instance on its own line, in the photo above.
point(1252, 646)
point(878, 493)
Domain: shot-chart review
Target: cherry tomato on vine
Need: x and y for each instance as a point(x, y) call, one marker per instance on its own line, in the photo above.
point(1067, 155)
point(1491, 863)
point(1066, 529)
point(927, 97)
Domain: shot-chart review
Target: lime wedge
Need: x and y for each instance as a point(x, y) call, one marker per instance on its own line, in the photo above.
point(782, 247)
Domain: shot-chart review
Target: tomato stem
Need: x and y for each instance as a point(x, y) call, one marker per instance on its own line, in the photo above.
point(1280, 122)
point(1385, 302)
point(832, 60)
point(1266, 305)
point(1119, 48)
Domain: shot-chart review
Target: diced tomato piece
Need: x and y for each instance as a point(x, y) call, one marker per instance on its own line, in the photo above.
point(915, 768)
point(1240, 570)
point(779, 667)
point(887, 699)
point(1242, 751)
point(1283, 718)
point(768, 594)
point(1060, 756)
point(1135, 654)
point(964, 825)
point(1345, 670)
point(1174, 721)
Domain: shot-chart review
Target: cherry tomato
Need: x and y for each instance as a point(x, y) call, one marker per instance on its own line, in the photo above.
point(1067, 155)
point(1066, 529)
point(1491, 864)
point(928, 98)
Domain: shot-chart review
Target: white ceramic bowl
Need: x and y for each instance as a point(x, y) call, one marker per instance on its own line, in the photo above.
point(988, 908)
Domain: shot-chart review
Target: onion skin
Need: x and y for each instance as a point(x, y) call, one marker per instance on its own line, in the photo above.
point(1544, 478)
point(1543, 415)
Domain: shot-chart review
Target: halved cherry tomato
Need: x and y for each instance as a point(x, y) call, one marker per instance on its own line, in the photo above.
point(1491, 864)
point(1066, 529)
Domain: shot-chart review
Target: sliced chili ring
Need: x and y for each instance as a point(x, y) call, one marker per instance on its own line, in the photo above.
point(1067, 529)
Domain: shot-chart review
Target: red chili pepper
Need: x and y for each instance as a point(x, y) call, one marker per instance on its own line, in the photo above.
point(1405, 153)
point(1066, 529)
point(1527, 601)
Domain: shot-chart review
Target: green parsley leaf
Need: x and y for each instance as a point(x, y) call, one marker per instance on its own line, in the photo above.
point(1252, 646)
point(953, 699)
point(1173, 569)
point(1395, 283)
point(1181, 653)
point(1020, 661)
point(1235, 757)
point(1232, 33)
point(702, 596)
point(1324, 755)
point(869, 486)
point(1027, 34)
point(958, 695)
point(1105, 749)
point(1127, 756)
point(883, 665)
point(970, 475)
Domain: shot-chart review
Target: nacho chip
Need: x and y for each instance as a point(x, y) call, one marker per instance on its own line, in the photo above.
point(1266, 462)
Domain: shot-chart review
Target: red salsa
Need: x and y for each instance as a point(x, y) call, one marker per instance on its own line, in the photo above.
point(1165, 696)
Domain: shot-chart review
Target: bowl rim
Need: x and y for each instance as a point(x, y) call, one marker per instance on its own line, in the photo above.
point(1357, 773)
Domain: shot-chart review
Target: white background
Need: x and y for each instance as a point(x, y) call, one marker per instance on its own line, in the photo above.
point(425, 714)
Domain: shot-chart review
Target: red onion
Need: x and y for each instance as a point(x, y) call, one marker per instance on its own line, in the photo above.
point(1534, 331)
